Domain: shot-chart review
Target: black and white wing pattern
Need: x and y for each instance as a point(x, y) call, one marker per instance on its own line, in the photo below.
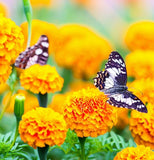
point(113, 81)
point(35, 54)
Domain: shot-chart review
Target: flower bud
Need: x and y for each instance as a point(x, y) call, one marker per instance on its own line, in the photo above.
point(19, 106)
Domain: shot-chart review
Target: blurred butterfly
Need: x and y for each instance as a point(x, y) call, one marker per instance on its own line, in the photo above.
point(113, 81)
point(35, 54)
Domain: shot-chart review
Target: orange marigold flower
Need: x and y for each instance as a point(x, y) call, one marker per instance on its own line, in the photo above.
point(31, 101)
point(140, 64)
point(3, 10)
point(80, 47)
point(41, 28)
point(142, 126)
point(11, 40)
point(40, 3)
point(57, 103)
point(5, 70)
point(135, 153)
point(123, 119)
point(146, 89)
point(87, 113)
point(42, 126)
point(77, 85)
point(140, 35)
point(41, 79)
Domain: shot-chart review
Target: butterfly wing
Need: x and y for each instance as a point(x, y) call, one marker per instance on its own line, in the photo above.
point(115, 74)
point(127, 100)
point(35, 54)
point(116, 68)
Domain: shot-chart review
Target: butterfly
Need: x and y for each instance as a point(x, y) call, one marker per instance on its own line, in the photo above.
point(113, 81)
point(35, 54)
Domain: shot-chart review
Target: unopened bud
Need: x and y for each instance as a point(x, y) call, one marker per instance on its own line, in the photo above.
point(19, 106)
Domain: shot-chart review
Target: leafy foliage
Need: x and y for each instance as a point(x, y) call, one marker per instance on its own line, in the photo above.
point(18, 151)
point(103, 147)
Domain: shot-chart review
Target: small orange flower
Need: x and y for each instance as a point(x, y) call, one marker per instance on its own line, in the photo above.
point(87, 113)
point(42, 28)
point(140, 64)
point(31, 101)
point(123, 119)
point(135, 153)
point(42, 126)
point(142, 126)
point(140, 35)
point(43, 79)
point(5, 70)
point(81, 50)
point(11, 40)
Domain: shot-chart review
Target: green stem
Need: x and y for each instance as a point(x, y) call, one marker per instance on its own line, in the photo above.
point(82, 143)
point(42, 151)
point(43, 99)
point(28, 14)
point(16, 134)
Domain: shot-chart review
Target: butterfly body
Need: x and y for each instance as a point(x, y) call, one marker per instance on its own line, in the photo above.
point(113, 81)
point(35, 54)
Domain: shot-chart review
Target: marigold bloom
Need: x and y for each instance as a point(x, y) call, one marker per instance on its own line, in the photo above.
point(145, 89)
point(3, 10)
point(40, 3)
point(81, 50)
point(140, 64)
point(41, 79)
point(5, 70)
point(140, 35)
point(41, 28)
point(31, 101)
point(123, 119)
point(11, 40)
point(77, 85)
point(135, 153)
point(141, 126)
point(87, 113)
point(57, 103)
point(42, 126)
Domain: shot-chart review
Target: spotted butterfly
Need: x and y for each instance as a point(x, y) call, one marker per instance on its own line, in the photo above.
point(113, 81)
point(35, 54)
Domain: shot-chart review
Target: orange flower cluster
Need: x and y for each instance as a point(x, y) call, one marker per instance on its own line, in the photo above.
point(11, 44)
point(41, 28)
point(140, 64)
point(140, 35)
point(142, 126)
point(81, 50)
point(31, 101)
point(139, 153)
point(42, 126)
point(87, 113)
point(41, 79)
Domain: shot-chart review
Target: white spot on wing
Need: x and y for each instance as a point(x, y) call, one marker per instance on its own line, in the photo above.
point(38, 51)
